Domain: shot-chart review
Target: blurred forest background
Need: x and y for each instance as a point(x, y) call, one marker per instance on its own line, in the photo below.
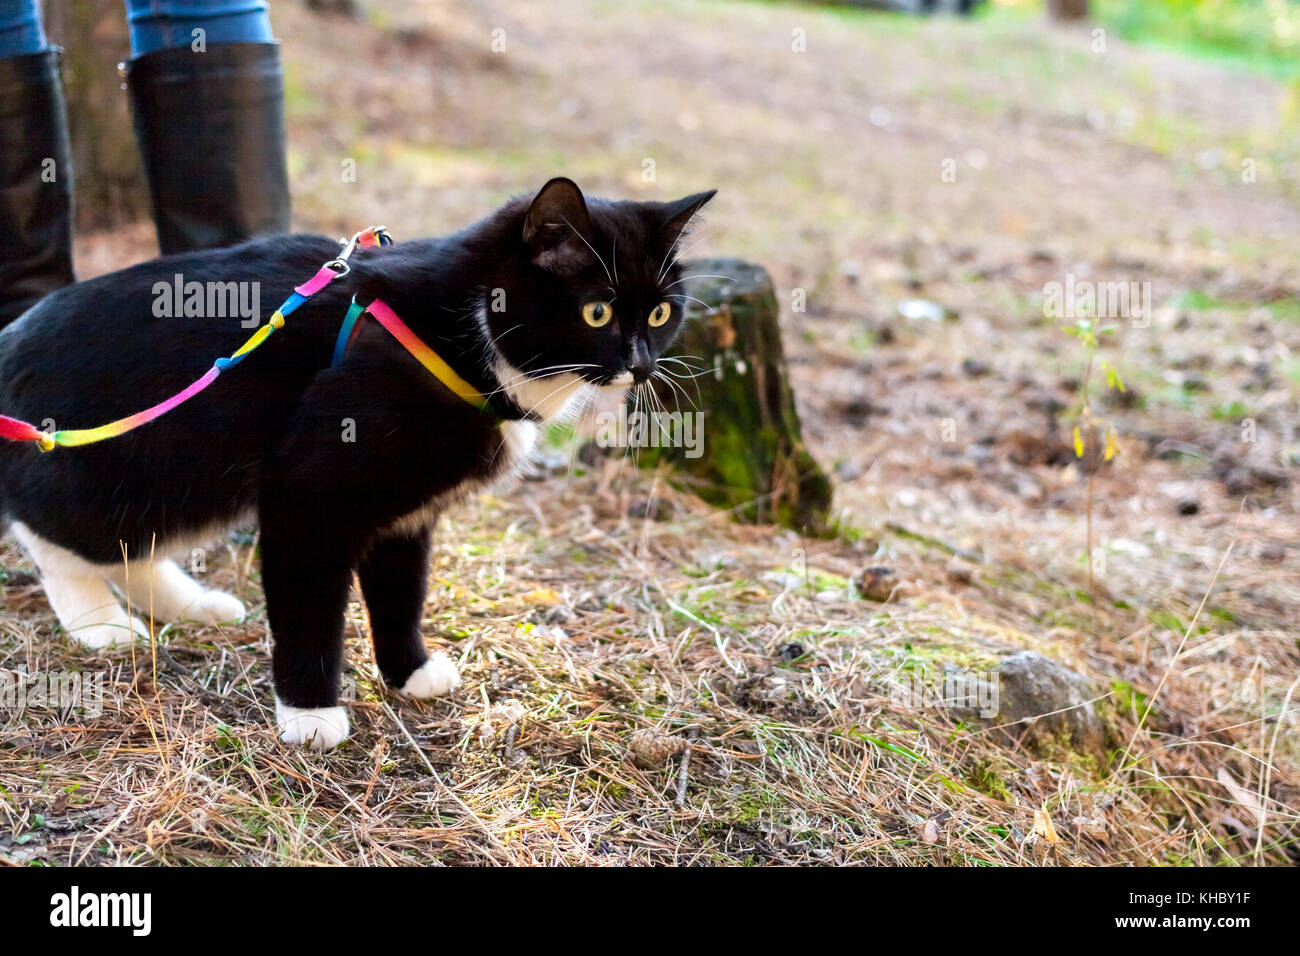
point(1107, 520)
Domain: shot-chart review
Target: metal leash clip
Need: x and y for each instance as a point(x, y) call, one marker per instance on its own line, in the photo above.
point(340, 263)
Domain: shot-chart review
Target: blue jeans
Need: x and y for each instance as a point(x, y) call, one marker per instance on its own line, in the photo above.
point(21, 30)
point(154, 24)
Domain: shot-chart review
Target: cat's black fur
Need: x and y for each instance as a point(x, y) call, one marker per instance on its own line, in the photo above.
point(268, 435)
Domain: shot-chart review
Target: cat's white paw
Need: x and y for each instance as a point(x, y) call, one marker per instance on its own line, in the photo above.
point(120, 631)
point(434, 678)
point(317, 728)
point(216, 607)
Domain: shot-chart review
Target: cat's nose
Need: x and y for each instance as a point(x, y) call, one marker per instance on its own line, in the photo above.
point(642, 364)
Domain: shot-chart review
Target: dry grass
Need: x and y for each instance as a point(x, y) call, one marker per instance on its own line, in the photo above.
point(577, 626)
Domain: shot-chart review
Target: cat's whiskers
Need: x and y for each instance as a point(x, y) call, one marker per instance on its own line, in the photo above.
point(580, 420)
point(636, 406)
point(681, 360)
point(506, 434)
point(539, 406)
point(677, 389)
point(653, 408)
point(680, 295)
point(683, 377)
point(640, 400)
point(654, 395)
point(679, 377)
point(550, 369)
point(676, 377)
point(657, 407)
point(495, 342)
point(700, 275)
point(678, 253)
point(592, 248)
point(539, 374)
point(518, 383)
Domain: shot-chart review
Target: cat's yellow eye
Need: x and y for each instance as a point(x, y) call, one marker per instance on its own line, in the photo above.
point(597, 314)
point(659, 315)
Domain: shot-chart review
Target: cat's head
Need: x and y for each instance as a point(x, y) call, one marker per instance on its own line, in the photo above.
point(592, 288)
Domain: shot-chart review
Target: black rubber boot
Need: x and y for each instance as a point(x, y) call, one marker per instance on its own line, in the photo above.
point(35, 183)
point(211, 132)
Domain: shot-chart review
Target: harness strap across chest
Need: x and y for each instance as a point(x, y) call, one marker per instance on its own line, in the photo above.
point(381, 312)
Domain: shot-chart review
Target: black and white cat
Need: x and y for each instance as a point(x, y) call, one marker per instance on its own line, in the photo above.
point(346, 467)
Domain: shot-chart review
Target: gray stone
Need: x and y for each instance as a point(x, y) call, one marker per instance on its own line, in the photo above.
point(1045, 705)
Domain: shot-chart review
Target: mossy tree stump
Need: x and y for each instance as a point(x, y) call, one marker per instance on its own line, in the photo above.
point(754, 461)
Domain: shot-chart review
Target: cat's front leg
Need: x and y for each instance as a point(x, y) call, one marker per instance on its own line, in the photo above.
point(394, 577)
point(306, 576)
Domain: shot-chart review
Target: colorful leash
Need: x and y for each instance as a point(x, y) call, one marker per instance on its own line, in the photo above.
point(15, 430)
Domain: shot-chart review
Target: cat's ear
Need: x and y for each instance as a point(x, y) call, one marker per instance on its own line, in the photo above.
point(557, 228)
point(677, 215)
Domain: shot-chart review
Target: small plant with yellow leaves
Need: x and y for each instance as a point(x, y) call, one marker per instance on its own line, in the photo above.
point(1089, 423)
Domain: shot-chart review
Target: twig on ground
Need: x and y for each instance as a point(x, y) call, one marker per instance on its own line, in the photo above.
point(684, 770)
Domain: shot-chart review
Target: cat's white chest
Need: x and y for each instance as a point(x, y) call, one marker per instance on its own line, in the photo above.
point(518, 442)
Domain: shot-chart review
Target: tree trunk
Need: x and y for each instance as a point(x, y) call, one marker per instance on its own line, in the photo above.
point(1067, 9)
point(754, 460)
point(344, 8)
point(110, 187)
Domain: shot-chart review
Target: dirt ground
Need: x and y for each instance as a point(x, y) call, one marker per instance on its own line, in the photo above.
point(961, 164)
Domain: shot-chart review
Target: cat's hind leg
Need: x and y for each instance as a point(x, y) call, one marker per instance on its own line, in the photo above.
point(159, 587)
point(79, 593)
